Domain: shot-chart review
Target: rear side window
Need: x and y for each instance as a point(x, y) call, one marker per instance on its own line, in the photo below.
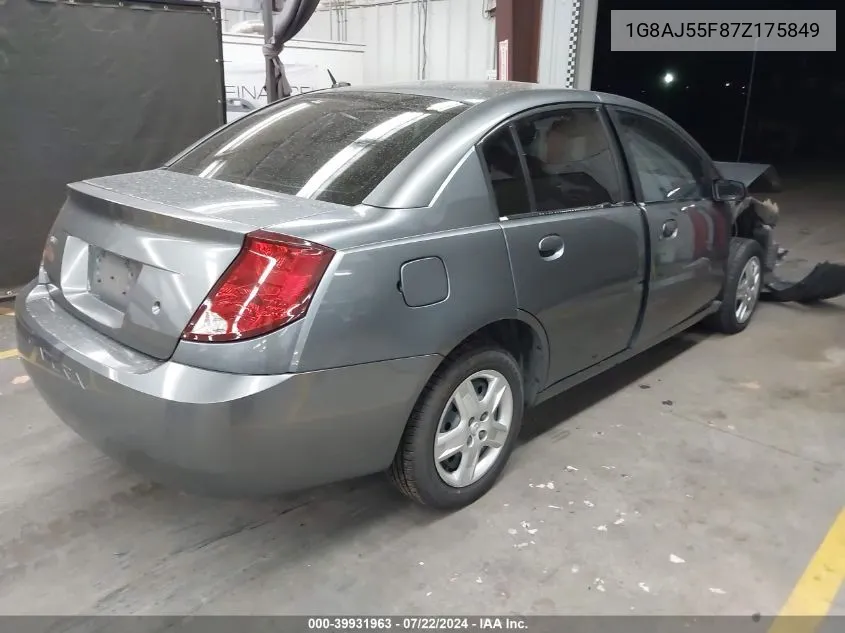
point(331, 147)
point(569, 159)
point(505, 172)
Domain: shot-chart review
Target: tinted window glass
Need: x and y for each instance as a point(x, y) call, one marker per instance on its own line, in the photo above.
point(506, 175)
point(569, 159)
point(336, 148)
point(667, 166)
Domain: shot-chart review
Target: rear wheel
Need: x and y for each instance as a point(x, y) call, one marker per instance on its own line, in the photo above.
point(742, 287)
point(462, 430)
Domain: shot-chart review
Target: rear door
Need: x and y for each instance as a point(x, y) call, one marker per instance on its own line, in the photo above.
point(689, 232)
point(575, 238)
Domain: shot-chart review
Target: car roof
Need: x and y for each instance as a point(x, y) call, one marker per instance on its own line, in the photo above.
point(475, 92)
point(465, 91)
point(417, 179)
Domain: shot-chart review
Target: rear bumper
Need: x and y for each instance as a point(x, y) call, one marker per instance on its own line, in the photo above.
point(211, 432)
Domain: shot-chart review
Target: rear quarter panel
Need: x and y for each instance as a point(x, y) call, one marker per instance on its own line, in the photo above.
point(362, 316)
point(359, 314)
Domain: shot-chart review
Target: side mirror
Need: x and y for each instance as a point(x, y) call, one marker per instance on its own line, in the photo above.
point(729, 191)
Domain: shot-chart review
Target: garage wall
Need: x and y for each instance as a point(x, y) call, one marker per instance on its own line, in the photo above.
point(567, 32)
point(413, 39)
point(404, 39)
point(459, 37)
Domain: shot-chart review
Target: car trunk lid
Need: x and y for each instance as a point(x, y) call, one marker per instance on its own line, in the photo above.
point(134, 256)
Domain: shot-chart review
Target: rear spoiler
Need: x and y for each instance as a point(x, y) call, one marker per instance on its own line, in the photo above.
point(757, 177)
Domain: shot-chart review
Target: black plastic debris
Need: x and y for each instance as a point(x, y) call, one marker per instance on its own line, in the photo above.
point(825, 281)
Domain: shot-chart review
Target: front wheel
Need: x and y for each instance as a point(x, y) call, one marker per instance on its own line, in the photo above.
point(743, 284)
point(462, 430)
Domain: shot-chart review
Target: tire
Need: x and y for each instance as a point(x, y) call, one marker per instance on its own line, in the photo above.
point(728, 320)
point(415, 470)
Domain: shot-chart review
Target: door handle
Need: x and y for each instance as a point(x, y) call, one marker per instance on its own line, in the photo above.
point(669, 230)
point(551, 247)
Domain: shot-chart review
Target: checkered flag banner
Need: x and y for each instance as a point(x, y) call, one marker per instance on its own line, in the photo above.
point(572, 48)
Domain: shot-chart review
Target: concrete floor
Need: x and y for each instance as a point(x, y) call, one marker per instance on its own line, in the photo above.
point(724, 453)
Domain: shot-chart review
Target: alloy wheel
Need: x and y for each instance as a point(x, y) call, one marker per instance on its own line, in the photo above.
point(748, 289)
point(473, 428)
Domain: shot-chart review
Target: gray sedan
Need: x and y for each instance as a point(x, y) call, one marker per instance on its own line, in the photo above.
point(377, 279)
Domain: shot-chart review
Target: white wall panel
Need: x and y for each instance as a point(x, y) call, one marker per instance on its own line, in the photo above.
point(319, 27)
point(567, 33)
point(459, 39)
point(557, 29)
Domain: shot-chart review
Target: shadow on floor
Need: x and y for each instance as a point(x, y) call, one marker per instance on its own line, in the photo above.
point(559, 409)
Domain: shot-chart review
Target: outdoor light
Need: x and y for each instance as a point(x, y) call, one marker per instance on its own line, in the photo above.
point(668, 78)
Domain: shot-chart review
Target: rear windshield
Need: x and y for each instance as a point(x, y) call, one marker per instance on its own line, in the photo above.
point(332, 147)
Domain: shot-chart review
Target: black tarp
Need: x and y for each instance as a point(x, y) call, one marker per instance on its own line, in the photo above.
point(824, 281)
point(90, 89)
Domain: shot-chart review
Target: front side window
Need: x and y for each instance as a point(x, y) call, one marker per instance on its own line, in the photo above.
point(331, 147)
point(667, 167)
point(569, 159)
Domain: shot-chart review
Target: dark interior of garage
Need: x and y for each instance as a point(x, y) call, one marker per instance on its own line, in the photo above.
point(781, 108)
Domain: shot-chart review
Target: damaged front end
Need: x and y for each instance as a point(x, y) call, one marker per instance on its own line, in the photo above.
point(755, 217)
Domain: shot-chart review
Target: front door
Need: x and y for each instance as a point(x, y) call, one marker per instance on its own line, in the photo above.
point(689, 232)
point(577, 248)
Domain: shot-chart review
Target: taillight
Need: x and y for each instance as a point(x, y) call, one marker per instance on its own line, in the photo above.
point(269, 284)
